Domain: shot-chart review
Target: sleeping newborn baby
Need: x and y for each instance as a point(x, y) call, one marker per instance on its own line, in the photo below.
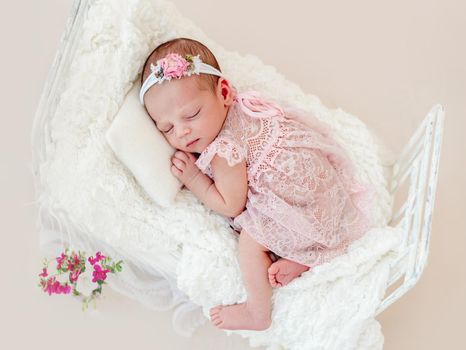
point(287, 187)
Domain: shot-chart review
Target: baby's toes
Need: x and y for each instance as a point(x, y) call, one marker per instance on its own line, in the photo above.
point(273, 269)
point(215, 316)
point(272, 272)
point(272, 280)
point(285, 278)
point(214, 311)
point(216, 320)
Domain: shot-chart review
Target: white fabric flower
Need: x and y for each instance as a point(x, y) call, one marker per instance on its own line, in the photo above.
point(197, 64)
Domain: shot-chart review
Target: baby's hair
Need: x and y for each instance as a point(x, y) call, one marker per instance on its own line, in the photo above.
point(185, 46)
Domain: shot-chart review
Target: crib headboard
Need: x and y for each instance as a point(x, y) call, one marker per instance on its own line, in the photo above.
point(414, 181)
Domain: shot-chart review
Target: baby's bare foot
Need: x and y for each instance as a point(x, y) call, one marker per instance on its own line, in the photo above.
point(283, 271)
point(240, 316)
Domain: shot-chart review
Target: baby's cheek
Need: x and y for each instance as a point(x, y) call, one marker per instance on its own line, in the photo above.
point(170, 141)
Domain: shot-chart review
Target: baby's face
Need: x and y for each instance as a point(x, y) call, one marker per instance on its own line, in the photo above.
point(184, 113)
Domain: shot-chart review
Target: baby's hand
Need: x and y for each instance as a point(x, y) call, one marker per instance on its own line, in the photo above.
point(183, 167)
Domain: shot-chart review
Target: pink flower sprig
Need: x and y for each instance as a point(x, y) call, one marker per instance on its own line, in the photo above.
point(174, 65)
point(77, 275)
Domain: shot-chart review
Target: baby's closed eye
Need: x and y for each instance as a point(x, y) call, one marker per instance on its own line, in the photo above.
point(194, 115)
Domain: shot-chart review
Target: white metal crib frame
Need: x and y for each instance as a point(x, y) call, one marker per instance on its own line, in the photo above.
point(417, 167)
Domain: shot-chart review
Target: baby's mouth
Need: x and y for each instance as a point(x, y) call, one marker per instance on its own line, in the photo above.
point(192, 143)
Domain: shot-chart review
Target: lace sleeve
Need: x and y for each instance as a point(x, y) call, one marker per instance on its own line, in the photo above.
point(226, 147)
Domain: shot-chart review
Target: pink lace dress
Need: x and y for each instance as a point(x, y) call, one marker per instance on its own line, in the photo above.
point(303, 203)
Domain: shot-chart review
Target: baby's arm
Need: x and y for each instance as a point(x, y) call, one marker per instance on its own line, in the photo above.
point(227, 195)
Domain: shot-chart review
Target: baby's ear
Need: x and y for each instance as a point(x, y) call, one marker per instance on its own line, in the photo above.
point(227, 91)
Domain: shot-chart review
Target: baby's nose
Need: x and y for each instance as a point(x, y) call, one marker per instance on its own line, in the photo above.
point(183, 131)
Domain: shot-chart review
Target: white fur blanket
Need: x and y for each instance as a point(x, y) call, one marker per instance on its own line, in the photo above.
point(82, 184)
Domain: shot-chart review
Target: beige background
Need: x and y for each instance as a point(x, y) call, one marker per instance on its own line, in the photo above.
point(386, 62)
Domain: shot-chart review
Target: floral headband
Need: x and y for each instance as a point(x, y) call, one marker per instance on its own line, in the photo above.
point(174, 65)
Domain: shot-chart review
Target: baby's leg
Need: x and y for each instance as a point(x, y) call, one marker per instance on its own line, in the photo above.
point(283, 271)
point(256, 312)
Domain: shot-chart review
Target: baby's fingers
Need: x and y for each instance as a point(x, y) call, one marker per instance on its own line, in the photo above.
point(178, 163)
point(181, 156)
point(175, 171)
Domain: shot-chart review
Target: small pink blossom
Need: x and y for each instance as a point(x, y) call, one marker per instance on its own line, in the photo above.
point(98, 257)
point(99, 274)
point(73, 263)
point(74, 275)
point(44, 272)
point(76, 260)
point(51, 286)
point(60, 260)
point(173, 65)
point(54, 287)
point(66, 289)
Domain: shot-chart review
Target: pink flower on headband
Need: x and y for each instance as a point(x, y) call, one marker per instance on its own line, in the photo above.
point(173, 65)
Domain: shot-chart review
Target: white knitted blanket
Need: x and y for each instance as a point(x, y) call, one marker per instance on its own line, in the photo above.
point(82, 185)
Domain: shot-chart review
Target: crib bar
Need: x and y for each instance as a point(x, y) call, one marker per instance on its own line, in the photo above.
point(408, 219)
point(418, 208)
point(413, 213)
point(420, 184)
point(431, 191)
point(403, 169)
point(397, 269)
point(410, 201)
point(394, 296)
point(47, 106)
point(40, 133)
point(399, 214)
point(396, 276)
point(413, 141)
point(415, 223)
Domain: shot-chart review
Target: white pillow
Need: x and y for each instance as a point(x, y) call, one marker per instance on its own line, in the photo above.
point(140, 146)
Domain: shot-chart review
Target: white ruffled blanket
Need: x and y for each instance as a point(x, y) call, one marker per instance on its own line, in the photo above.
point(85, 188)
point(329, 307)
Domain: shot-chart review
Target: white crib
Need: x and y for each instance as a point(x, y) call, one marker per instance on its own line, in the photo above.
point(413, 183)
